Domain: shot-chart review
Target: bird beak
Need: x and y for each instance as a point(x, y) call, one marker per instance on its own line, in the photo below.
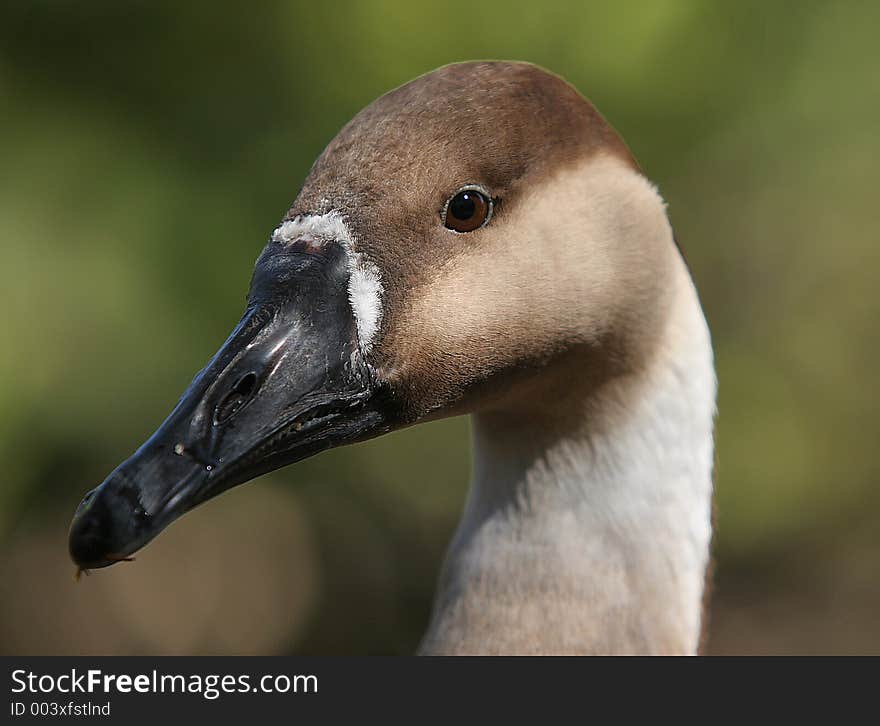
point(290, 381)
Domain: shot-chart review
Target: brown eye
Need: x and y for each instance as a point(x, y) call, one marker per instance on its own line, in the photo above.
point(468, 210)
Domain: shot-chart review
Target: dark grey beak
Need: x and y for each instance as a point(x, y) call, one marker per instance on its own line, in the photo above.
point(289, 382)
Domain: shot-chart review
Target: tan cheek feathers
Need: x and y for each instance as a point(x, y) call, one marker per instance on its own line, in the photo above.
point(585, 254)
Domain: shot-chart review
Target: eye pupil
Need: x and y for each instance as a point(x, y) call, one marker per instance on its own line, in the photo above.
point(463, 206)
point(467, 210)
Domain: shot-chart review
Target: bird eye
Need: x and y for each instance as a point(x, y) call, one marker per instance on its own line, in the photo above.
point(467, 210)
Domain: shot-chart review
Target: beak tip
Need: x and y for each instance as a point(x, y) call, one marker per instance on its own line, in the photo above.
point(91, 534)
point(86, 546)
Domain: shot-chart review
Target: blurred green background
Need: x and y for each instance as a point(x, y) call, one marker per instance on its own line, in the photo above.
point(148, 149)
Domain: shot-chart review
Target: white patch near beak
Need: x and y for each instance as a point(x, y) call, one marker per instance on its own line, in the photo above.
point(364, 282)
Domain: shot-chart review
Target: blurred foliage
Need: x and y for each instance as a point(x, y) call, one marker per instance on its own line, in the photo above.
point(147, 150)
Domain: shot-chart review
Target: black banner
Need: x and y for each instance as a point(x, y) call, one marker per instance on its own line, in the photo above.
point(136, 690)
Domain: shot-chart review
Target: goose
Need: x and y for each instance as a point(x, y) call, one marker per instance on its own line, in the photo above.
point(477, 241)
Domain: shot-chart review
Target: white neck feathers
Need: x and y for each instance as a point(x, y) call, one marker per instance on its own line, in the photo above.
point(591, 538)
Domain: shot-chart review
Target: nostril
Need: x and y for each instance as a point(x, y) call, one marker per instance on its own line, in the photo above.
point(245, 386)
point(236, 398)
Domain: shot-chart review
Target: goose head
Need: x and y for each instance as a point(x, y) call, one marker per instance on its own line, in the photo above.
point(454, 248)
